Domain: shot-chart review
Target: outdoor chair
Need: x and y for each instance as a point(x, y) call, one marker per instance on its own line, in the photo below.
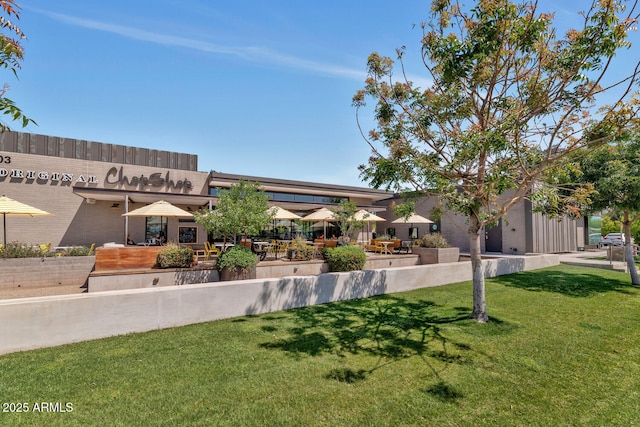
point(261, 252)
point(273, 249)
point(405, 246)
point(282, 247)
point(330, 243)
point(209, 250)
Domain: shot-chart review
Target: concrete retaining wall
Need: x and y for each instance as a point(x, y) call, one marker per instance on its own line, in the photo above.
point(155, 278)
point(41, 272)
point(31, 323)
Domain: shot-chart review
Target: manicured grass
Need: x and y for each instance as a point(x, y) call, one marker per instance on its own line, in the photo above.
point(562, 348)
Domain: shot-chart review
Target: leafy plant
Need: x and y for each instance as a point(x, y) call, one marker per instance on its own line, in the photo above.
point(498, 117)
point(432, 240)
point(11, 56)
point(22, 250)
point(243, 209)
point(345, 258)
point(237, 257)
point(174, 256)
point(344, 215)
point(77, 251)
point(303, 251)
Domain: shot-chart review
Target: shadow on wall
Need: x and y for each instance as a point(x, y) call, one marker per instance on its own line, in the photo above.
point(501, 266)
point(188, 277)
point(293, 292)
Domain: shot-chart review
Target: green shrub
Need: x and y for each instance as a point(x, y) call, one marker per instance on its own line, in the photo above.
point(237, 257)
point(432, 240)
point(77, 251)
point(303, 251)
point(22, 250)
point(345, 258)
point(173, 256)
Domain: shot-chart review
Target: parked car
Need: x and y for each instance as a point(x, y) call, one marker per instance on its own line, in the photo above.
point(613, 239)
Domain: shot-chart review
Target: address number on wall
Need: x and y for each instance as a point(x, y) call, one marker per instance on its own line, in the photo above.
point(5, 159)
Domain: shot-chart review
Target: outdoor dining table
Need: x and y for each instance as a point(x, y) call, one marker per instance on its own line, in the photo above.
point(386, 244)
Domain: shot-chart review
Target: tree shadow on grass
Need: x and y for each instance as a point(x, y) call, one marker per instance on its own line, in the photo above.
point(387, 327)
point(573, 284)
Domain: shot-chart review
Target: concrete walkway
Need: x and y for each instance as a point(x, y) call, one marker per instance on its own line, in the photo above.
point(584, 259)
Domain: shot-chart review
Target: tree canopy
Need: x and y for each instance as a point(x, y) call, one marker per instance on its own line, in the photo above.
point(243, 209)
point(11, 55)
point(614, 171)
point(508, 101)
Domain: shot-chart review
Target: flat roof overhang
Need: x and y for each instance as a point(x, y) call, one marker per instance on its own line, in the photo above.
point(186, 199)
point(225, 180)
point(142, 197)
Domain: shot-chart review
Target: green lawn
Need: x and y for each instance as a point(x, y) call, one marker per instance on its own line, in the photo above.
point(562, 348)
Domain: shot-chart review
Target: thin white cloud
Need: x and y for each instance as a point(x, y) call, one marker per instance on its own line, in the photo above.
point(249, 53)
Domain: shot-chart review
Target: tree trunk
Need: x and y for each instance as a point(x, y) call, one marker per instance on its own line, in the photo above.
point(479, 302)
point(628, 250)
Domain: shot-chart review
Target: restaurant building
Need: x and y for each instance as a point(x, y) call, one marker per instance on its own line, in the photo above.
point(520, 231)
point(88, 186)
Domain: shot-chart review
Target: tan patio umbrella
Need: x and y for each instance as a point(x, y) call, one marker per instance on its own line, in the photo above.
point(280, 214)
point(413, 219)
point(322, 214)
point(367, 217)
point(161, 209)
point(12, 207)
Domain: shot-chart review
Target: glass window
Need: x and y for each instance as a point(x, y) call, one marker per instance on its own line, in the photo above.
point(156, 230)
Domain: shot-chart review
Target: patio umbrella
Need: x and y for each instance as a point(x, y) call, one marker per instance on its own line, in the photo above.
point(161, 209)
point(280, 214)
point(413, 219)
point(367, 217)
point(12, 207)
point(322, 214)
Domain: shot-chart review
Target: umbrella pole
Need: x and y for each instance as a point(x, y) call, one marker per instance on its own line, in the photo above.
point(126, 219)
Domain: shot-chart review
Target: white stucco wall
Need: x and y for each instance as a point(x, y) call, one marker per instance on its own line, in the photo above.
point(31, 323)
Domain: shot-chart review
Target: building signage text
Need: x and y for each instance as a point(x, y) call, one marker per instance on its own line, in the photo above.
point(116, 176)
point(46, 176)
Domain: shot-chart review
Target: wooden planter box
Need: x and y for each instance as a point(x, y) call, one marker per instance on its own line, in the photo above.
point(131, 257)
point(436, 255)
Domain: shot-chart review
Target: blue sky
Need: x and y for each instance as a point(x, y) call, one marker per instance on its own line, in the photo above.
point(253, 88)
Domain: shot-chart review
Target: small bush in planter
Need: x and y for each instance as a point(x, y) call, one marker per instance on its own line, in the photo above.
point(77, 251)
point(22, 250)
point(345, 258)
point(237, 257)
point(173, 256)
point(300, 250)
point(432, 240)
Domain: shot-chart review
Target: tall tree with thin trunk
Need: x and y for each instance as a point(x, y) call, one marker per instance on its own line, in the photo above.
point(614, 171)
point(508, 101)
